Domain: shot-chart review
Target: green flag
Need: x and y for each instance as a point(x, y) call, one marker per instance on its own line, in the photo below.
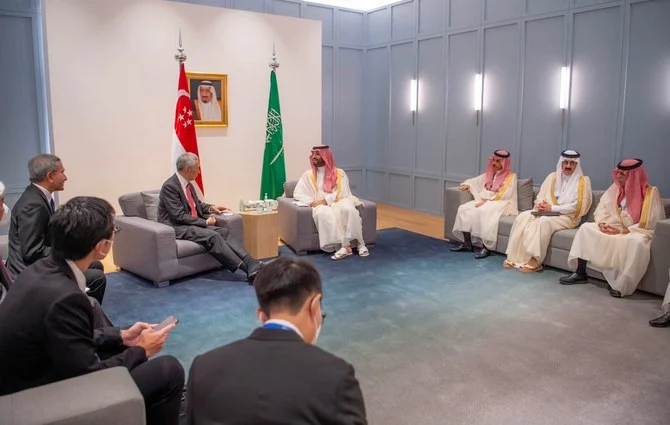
point(274, 170)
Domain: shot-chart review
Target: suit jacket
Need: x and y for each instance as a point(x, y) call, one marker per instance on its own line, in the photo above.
point(28, 230)
point(46, 331)
point(174, 210)
point(273, 377)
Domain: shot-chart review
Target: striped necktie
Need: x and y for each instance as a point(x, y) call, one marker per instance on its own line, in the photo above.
point(53, 205)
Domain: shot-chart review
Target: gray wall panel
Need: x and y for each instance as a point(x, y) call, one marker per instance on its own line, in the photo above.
point(350, 28)
point(465, 13)
point(401, 138)
point(376, 185)
point(376, 111)
point(402, 21)
point(545, 6)
point(541, 131)
point(427, 195)
point(323, 14)
point(285, 8)
point(249, 5)
point(594, 102)
point(349, 107)
point(19, 114)
point(356, 182)
point(499, 10)
point(646, 132)
point(379, 26)
point(28, 6)
point(582, 3)
point(463, 64)
point(327, 80)
point(400, 190)
point(430, 116)
point(501, 91)
point(432, 16)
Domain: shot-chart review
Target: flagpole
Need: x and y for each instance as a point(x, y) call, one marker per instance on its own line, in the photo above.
point(180, 56)
point(274, 64)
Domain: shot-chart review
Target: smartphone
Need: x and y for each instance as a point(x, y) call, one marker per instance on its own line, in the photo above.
point(165, 323)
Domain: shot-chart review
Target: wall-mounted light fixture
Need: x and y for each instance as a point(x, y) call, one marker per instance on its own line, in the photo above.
point(564, 99)
point(478, 89)
point(413, 97)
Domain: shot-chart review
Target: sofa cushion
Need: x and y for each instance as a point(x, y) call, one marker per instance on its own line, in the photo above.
point(597, 194)
point(132, 205)
point(525, 194)
point(150, 205)
point(563, 239)
point(666, 204)
point(289, 187)
point(188, 248)
point(505, 225)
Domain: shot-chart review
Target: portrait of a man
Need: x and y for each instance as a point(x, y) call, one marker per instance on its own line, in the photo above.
point(209, 99)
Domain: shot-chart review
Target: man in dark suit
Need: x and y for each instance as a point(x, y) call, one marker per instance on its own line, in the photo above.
point(30, 219)
point(277, 375)
point(47, 332)
point(193, 220)
point(5, 275)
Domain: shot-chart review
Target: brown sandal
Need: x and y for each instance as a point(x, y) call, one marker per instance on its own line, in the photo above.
point(508, 264)
point(525, 268)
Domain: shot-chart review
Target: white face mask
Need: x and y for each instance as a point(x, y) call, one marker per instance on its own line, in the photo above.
point(6, 215)
point(316, 335)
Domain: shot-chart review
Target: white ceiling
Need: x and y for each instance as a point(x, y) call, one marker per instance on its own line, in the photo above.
point(355, 4)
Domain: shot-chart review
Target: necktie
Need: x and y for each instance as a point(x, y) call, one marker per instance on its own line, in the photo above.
point(53, 205)
point(191, 201)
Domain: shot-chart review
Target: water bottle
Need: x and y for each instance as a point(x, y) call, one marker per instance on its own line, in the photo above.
point(242, 206)
point(265, 203)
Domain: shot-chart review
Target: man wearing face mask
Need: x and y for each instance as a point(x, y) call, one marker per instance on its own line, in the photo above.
point(277, 374)
point(47, 333)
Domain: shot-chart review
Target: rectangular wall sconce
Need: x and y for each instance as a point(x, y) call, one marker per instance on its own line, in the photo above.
point(478, 92)
point(413, 93)
point(564, 99)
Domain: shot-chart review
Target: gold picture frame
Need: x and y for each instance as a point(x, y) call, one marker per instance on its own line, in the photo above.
point(201, 85)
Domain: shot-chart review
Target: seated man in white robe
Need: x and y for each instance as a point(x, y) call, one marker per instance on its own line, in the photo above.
point(326, 189)
point(495, 196)
point(564, 198)
point(618, 243)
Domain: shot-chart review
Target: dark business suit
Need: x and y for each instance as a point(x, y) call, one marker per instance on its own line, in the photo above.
point(47, 335)
point(28, 239)
point(174, 210)
point(273, 377)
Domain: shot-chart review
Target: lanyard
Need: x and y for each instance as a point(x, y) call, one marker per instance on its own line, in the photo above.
point(277, 326)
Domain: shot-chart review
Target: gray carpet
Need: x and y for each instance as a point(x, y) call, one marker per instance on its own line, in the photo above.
point(440, 338)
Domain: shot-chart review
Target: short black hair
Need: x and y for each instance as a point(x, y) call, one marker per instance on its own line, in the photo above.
point(79, 225)
point(286, 283)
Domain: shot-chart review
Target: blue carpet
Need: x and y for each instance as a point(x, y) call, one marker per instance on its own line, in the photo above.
point(437, 337)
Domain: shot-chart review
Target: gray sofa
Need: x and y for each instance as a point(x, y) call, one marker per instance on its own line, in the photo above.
point(297, 228)
point(150, 249)
point(106, 397)
point(655, 281)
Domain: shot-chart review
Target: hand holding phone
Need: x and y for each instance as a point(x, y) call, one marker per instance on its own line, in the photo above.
point(165, 323)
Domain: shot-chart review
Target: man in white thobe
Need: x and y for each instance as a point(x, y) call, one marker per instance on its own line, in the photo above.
point(564, 198)
point(326, 189)
point(495, 194)
point(207, 106)
point(618, 243)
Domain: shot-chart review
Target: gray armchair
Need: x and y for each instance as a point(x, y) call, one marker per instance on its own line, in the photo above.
point(150, 249)
point(106, 397)
point(297, 228)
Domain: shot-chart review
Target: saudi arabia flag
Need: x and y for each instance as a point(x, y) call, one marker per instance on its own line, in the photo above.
point(274, 170)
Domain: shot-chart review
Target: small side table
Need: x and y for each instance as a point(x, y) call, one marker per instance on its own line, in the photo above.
point(261, 234)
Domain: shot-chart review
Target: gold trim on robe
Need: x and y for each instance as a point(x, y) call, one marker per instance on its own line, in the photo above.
point(646, 207)
point(580, 198)
point(553, 187)
point(338, 182)
point(505, 186)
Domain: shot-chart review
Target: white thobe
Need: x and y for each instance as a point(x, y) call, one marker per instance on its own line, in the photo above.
point(338, 222)
point(482, 222)
point(623, 259)
point(530, 235)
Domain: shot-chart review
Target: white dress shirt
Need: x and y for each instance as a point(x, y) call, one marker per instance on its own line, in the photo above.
point(285, 323)
point(78, 275)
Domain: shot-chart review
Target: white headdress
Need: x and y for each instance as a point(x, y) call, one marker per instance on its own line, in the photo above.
point(210, 111)
point(567, 187)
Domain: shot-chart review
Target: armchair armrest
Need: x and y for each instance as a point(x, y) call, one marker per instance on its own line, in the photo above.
point(656, 278)
point(106, 397)
point(146, 248)
point(293, 221)
point(453, 198)
point(233, 223)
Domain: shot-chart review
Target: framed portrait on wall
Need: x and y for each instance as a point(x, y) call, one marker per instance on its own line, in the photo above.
point(209, 97)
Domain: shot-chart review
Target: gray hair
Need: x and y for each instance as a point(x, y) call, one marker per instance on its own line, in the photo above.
point(41, 165)
point(187, 159)
point(2, 191)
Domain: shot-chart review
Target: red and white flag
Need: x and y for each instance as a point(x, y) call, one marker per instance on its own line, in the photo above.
point(183, 138)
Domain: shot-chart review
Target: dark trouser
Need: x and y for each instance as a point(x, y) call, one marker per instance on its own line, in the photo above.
point(223, 247)
point(96, 282)
point(160, 381)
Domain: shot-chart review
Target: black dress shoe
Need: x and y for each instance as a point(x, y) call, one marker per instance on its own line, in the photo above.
point(462, 248)
point(615, 293)
point(254, 268)
point(483, 253)
point(573, 279)
point(661, 322)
